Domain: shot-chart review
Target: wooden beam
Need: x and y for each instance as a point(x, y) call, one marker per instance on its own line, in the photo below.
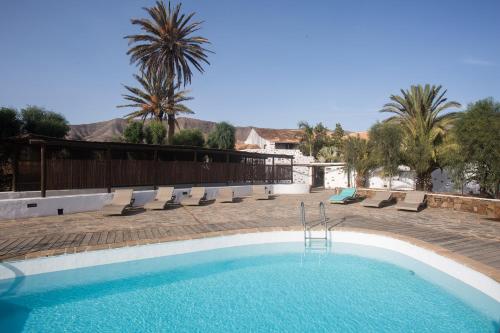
point(43, 171)
point(227, 169)
point(108, 169)
point(156, 173)
point(273, 171)
point(15, 168)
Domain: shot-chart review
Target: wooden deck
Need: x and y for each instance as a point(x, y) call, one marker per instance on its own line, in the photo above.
point(469, 238)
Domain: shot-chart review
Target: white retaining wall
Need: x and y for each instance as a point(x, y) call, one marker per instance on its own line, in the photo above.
point(37, 206)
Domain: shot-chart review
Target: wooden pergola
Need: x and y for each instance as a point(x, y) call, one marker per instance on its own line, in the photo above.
point(47, 163)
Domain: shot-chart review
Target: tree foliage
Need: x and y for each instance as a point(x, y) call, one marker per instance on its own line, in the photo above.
point(313, 138)
point(155, 132)
point(222, 136)
point(37, 120)
point(329, 154)
point(189, 137)
point(356, 155)
point(167, 49)
point(337, 138)
point(10, 124)
point(477, 132)
point(386, 147)
point(419, 111)
point(150, 100)
point(134, 132)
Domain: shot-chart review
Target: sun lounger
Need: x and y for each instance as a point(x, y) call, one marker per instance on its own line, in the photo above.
point(378, 200)
point(225, 194)
point(164, 195)
point(344, 196)
point(262, 192)
point(196, 196)
point(122, 200)
point(413, 201)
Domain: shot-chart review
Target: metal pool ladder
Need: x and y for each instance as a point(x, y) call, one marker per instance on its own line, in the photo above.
point(309, 225)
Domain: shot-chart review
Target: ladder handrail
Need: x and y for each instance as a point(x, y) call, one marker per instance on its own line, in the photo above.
point(323, 220)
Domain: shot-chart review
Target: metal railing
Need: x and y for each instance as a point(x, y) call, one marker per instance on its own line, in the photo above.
point(309, 225)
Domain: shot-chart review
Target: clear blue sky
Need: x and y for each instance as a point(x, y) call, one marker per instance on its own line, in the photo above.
point(275, 62)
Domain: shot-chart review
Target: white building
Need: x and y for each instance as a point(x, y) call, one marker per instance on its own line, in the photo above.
point(334, 175)
point(280, 141)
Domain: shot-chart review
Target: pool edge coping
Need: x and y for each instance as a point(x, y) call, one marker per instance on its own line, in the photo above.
point(189, 244)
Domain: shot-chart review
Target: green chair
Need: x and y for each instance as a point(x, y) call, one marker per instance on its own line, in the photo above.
point(345, 195)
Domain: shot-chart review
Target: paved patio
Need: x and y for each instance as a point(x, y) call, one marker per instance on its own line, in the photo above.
point(470, 238)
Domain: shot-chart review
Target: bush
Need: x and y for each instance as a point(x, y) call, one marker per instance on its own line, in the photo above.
point(189, 137)
point(37, 120)
point(133, 132)
point(222, 136)
point(386, 147)
point(155, 132)
point(10, 124)
point(477, 132)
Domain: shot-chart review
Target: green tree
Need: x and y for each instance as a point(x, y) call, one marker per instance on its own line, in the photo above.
point(150, 100)
point(419, 111)
point(329, 154)
point(189, 137)
point(356, 155)
point(313, 138)
point(337, 138)
point(134, 132)
point(222, 136)
point(477, 132)
point(37, 120)
point(168, 47)
point(455, 164)
point(386, 148)
point(10, 124)
point(155, 132)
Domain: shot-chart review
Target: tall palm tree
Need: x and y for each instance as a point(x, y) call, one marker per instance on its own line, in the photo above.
point(150, 99)
point(307, 140)
point(167, 47)
point(419, 111)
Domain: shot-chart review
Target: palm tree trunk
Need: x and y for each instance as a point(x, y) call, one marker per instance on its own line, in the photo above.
point(424, 182)
point(171, 104)
point(171, 128)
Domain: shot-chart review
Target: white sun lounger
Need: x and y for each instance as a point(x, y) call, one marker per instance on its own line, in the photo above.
point(197, 195)
point(262, 192)
point(225, 194)
point(378, 200)
point(122, 200)
point(164, 195)
point(413, 201)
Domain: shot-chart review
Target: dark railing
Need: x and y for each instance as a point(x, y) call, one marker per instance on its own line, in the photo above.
point(83, 174)
point(43, 163)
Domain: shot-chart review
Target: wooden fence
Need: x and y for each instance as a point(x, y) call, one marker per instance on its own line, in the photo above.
point(82, 174)
point(43, 163)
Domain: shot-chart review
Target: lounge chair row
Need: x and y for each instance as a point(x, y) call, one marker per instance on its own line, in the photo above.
point(413, 200)
point(123, 198)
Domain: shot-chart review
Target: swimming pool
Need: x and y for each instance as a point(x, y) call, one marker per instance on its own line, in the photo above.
point(266, 287)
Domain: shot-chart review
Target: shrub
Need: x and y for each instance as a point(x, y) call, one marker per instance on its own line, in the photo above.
point(133, 132)
point(222, 136)
point(189, 137)
point(10, 124)
point(37, 120)
point(155, 132)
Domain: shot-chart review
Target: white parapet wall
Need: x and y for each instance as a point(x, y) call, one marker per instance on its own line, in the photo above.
point(26, 205)
point(291, 188)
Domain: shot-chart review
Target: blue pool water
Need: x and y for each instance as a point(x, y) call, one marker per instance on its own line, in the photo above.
point(259, 288)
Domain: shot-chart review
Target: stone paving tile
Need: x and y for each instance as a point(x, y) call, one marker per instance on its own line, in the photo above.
point(471, 235)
